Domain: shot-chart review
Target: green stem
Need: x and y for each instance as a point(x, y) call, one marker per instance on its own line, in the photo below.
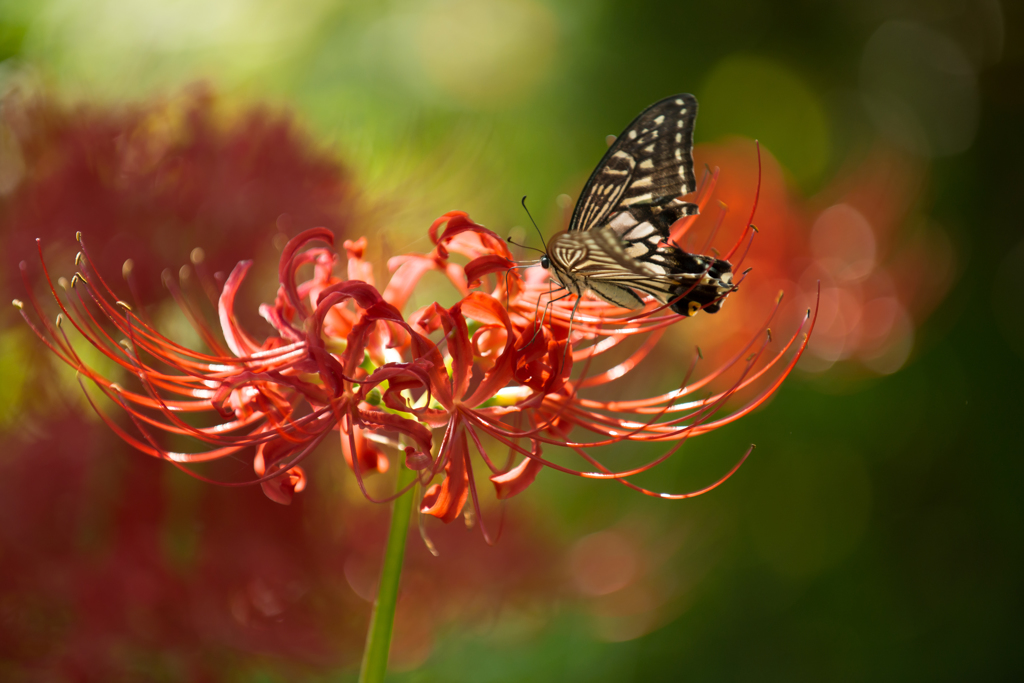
point(378, 640)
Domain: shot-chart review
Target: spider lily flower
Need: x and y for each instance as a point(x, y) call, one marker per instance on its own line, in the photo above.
point(435, 385)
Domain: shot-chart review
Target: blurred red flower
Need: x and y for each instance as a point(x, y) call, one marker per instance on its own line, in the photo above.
point(152, 181)
point(882, 270)
point(123, 570)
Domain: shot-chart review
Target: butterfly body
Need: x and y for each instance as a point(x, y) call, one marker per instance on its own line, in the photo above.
point(617, 243)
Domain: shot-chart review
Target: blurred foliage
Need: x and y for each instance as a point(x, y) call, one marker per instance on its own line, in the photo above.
point(878, 529)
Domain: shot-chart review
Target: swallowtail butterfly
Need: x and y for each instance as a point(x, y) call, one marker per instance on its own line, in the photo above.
point(617, 240)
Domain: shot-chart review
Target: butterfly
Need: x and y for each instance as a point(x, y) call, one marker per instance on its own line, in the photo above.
point(617, 243)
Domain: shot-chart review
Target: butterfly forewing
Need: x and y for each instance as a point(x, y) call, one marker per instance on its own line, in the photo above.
point(650, 164)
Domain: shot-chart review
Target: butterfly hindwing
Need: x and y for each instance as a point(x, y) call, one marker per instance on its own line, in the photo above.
point(598, 260)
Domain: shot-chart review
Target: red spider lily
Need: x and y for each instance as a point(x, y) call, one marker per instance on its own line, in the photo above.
point(494, 368)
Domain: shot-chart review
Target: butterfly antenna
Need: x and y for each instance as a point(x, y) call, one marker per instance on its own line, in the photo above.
point(523, 246)
point(543, 241)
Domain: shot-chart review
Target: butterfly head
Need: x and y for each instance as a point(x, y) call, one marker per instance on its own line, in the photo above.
point(545, 262)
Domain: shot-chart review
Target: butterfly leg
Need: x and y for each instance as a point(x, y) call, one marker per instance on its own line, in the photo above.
point(546, 307)
point(550, 291)
point(537, 307)
point(568, 335)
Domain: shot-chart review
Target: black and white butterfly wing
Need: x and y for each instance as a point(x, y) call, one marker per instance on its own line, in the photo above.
point(646, 169)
